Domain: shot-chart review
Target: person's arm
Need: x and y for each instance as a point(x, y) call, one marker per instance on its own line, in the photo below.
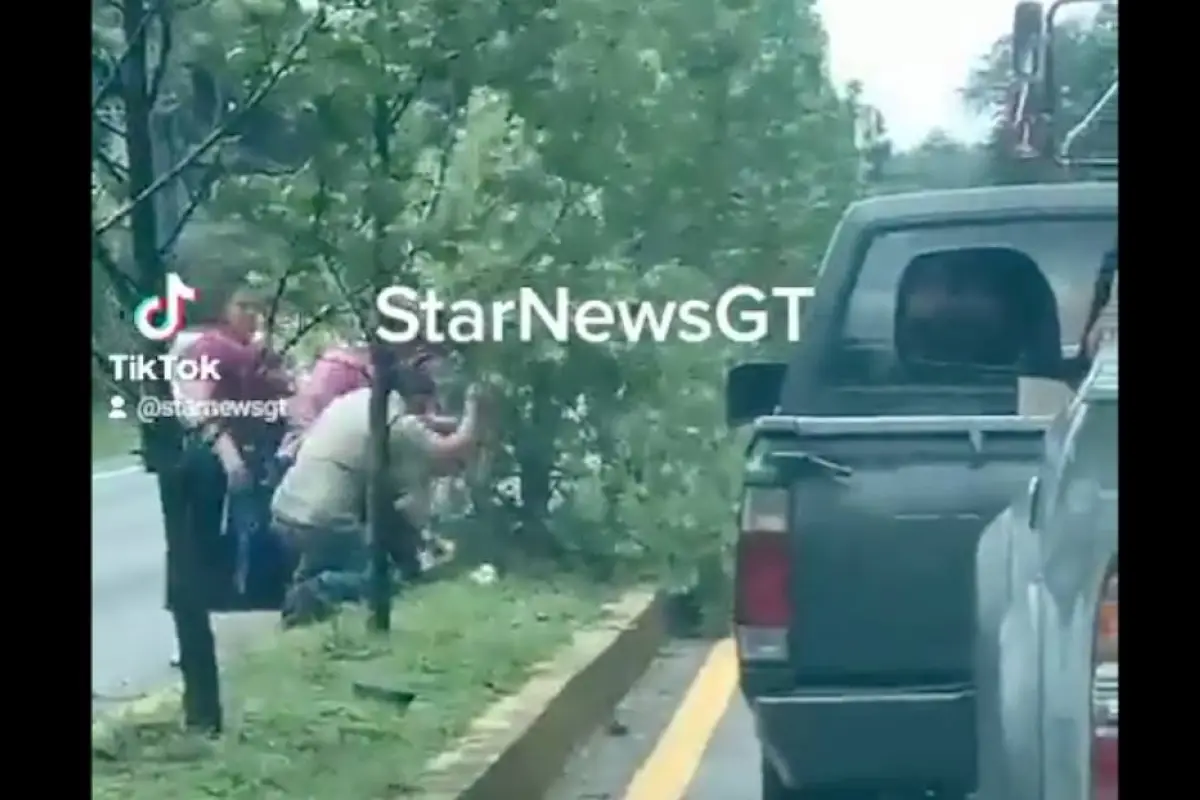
point(446, 451)
point(196, 392)
point(232, 367)
point(275, 373)
point(441, 424)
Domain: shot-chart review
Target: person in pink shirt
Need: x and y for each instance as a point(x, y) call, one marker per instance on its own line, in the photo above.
point(247, 371)
point(230, 459)
point(339, 370)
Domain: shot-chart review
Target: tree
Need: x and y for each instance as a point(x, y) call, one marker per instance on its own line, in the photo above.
point(651, 152)
point(137, 84)
point(675, 154)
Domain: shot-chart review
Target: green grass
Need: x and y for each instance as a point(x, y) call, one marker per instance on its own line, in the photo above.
point(295, 728)
point(111, 439)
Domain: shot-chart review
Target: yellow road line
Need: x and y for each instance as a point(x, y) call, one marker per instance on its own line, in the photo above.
point(666, 774)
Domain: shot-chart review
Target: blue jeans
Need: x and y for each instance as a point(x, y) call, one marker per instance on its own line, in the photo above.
point(260, 565)
point(341, 586)
point(333, 561)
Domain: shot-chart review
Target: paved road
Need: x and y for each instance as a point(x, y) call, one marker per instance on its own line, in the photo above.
point(132, 637)
point(674, 737)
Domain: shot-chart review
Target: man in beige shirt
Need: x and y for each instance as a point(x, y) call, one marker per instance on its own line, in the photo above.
point(320, 505)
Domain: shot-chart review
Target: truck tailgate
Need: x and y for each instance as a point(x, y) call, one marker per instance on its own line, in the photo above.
point(886, 514)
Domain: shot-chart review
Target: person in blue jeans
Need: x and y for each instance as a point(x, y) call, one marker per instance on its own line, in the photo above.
point(319, 509)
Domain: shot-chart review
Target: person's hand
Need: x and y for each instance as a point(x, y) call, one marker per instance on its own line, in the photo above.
point(471, 399)
point(236, 472)
point(478, 404)
point(1091, 342)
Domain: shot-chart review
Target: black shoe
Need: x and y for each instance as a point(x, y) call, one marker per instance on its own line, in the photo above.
point(305, 605)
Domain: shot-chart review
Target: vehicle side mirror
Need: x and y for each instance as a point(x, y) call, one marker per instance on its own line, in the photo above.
point(1027, 32)
point(752, 391)
point(1034, 500)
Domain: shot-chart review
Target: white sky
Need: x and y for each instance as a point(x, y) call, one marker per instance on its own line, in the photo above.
point(913, 56)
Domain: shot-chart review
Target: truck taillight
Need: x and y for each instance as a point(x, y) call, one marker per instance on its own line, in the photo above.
point(1105, 679)
point(762, 603)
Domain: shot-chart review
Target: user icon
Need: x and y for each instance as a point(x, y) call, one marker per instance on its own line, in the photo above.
point(117, 408)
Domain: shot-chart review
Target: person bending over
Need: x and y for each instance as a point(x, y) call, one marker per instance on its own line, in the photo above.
point(320, 506)
point(339, 370)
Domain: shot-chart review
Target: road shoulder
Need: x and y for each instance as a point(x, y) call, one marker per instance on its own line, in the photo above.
point(458, 647)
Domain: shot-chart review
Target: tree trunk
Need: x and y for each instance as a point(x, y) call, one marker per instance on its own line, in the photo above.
point(536, 460)
point(186, 586)
point(162, 441)
point(379, 493)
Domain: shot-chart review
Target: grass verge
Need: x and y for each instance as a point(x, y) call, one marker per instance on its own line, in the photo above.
point(299, 727)
point(111, 439)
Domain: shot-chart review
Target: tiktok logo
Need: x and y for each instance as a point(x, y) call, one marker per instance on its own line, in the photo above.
point(159, 318)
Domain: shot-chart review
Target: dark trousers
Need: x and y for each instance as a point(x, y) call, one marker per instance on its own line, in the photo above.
point(333, 560)
point(242, 564)
point(206, 486)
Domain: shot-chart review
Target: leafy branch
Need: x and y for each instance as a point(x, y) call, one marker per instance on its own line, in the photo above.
point(221, 131)
point(196, 198)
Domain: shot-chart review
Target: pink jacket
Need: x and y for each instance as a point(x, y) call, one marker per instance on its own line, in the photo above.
point(338, 371)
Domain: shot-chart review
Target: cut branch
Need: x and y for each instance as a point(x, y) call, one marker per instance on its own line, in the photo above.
point(220, 131)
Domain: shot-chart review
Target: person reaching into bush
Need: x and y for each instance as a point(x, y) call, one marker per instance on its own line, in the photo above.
point(320, 507)
point(343, 368)
point(339, 370)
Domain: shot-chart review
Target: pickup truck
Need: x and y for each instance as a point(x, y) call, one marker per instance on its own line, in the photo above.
point(869, 478)
point(1046, 647)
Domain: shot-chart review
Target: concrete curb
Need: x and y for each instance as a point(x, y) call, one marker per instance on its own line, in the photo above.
point(519, 747)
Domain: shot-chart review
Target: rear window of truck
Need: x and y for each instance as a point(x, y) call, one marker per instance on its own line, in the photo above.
point(908, 272)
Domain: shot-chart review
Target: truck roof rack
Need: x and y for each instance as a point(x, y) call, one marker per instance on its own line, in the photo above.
point(1034, 112)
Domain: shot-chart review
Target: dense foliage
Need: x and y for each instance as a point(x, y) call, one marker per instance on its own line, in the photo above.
point(651, 151)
